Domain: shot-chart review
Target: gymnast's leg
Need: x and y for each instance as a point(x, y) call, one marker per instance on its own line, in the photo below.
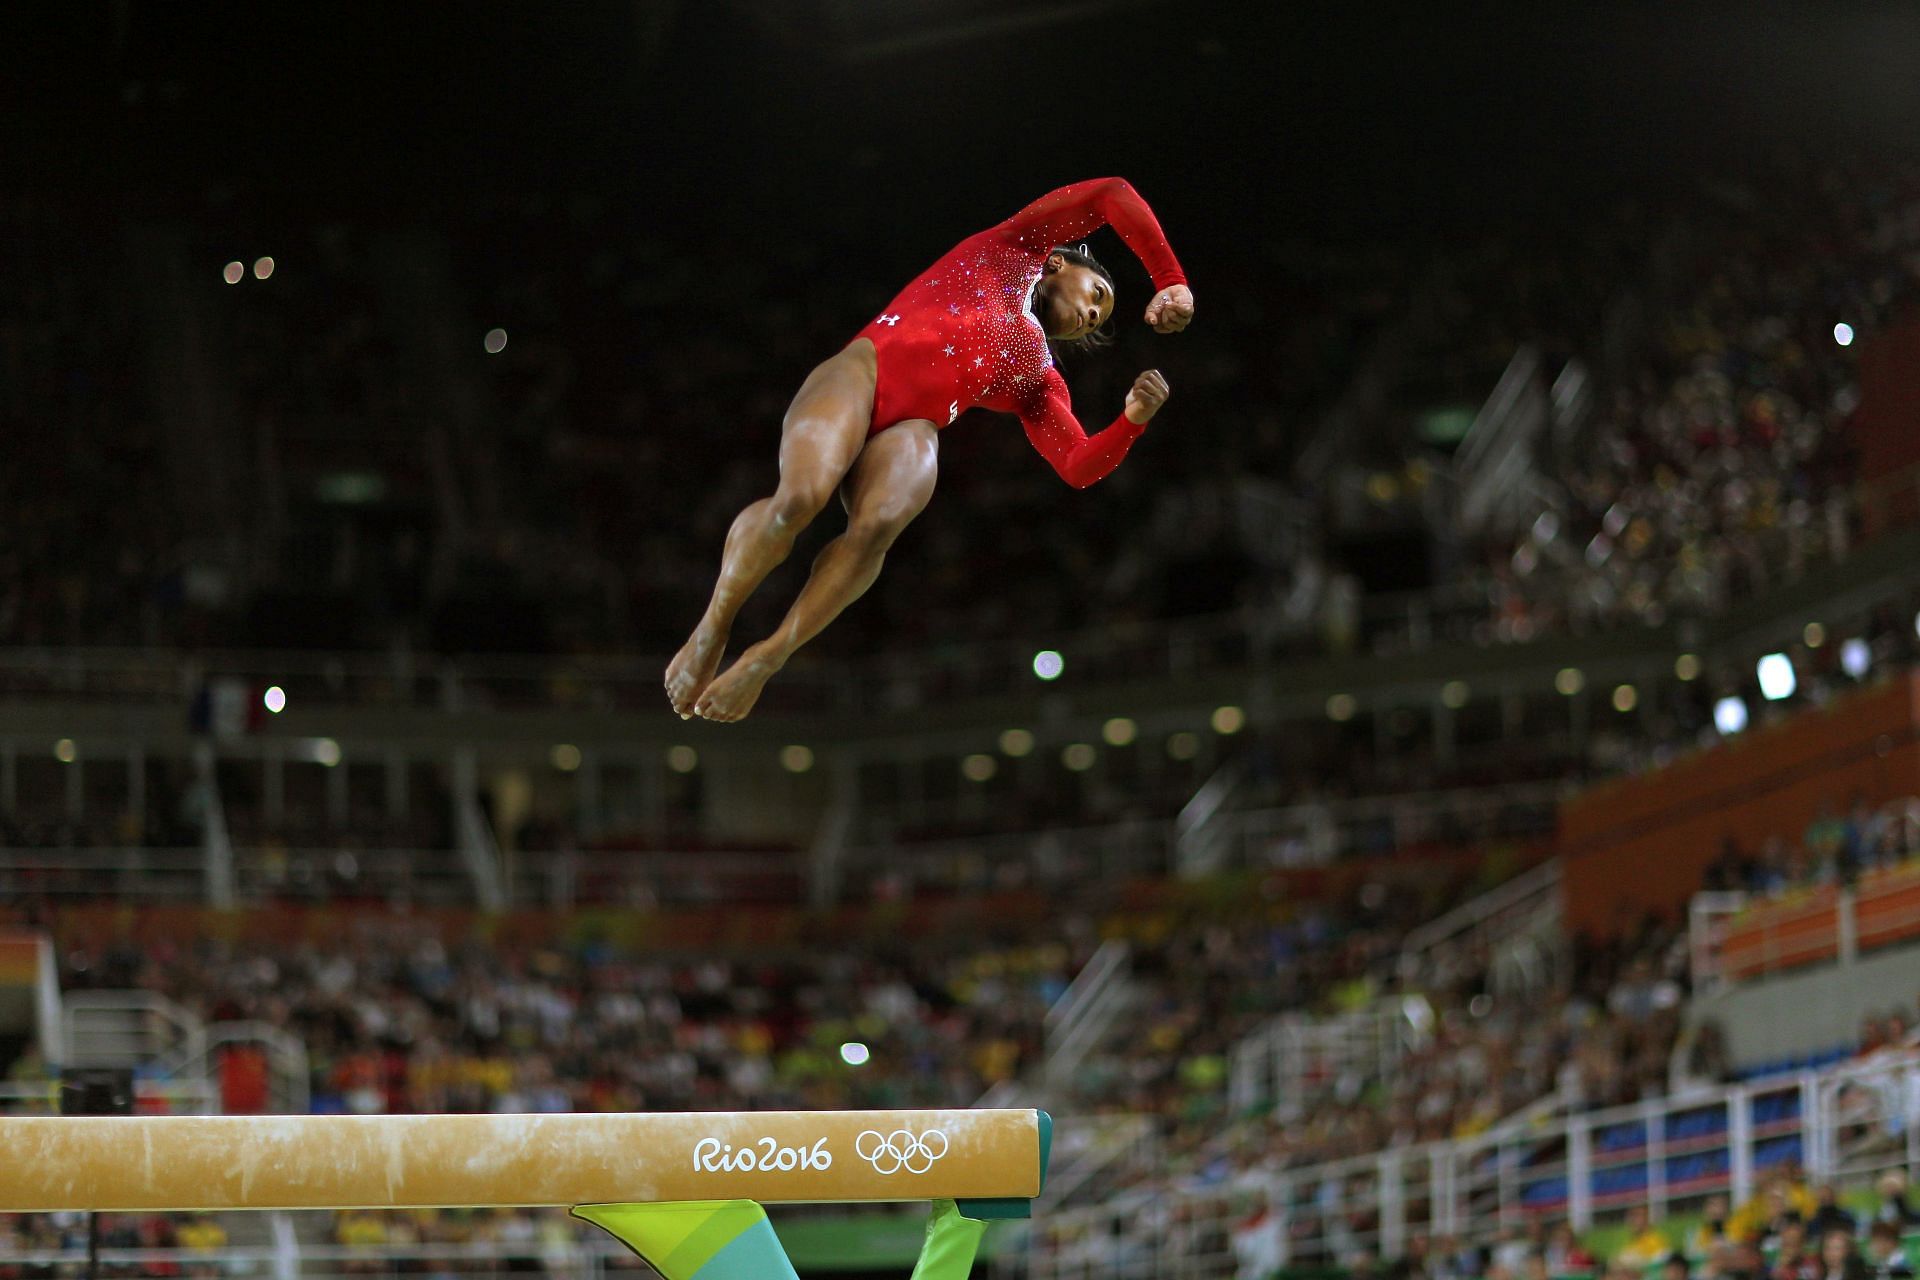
point(887, 488)
point(825, 427)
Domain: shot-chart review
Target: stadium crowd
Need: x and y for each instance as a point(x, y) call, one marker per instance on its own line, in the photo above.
point(574, 460)
point(1836, 847)
point(1720, 465)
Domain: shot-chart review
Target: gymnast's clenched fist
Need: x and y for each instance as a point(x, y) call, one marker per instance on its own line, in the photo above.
point(1150, 391)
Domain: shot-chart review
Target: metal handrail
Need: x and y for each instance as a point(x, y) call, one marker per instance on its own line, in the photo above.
point(1081, 1018)
point(194, 1060)
point(1542, 880)
point(1195, 835)
point(1112, 958)
point(182, 1022)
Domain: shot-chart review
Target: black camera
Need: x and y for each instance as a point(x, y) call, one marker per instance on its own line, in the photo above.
point(97, 1091)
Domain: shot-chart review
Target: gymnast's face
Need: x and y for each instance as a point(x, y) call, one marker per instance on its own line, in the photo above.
point(1071, 301)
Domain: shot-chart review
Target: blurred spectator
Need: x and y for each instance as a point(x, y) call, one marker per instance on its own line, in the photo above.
point(1646, 1246)
point(1565, 1255)
point(1828, 1217)
point(1712, 1233)
point(1886, 1255)
point(1793, 1257)
point(1895, 1205)
point(1839, 1259)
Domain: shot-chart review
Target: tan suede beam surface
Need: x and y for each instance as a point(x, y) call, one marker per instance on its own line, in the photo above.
point(325, 1162)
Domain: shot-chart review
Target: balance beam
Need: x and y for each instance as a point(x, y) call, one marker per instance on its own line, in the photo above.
point(130, 1163)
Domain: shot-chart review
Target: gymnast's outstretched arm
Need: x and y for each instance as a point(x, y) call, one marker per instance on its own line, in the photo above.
point(1077, 210)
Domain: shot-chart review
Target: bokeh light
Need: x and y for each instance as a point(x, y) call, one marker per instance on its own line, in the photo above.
point(496, 341)
point(565, 757)
point(274, 699)
point(979, 767)
point(795, 758)
point(1228, 719)
point(1048, 664)
point(1777, 678)
point(1730, 715)
point(1016, 743)
point(682, 759)
point(1119, 731)
point(1856, 657)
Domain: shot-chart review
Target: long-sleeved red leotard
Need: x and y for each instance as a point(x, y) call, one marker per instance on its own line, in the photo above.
point(963, 334)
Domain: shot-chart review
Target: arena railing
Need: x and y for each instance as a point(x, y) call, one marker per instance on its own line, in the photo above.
point(154, 875)
point(1872, 1108)
point(1310, 834)
point(1384, 626)
point(1059, 855)
point(1736, 936)
point(1291, 835)
point(425, 876)
point(1280, 1065)
point(1849, 1123)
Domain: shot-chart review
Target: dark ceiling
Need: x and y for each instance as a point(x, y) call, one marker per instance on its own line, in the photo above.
point(843, 111)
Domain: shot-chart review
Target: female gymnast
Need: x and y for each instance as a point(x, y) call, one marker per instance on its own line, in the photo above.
point(971, 331)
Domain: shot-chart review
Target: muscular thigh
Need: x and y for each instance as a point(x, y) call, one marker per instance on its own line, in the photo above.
point(893, 478)
point(826, 425)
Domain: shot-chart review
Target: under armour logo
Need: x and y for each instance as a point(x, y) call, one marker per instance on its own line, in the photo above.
point(889, 320)
point(953, 411)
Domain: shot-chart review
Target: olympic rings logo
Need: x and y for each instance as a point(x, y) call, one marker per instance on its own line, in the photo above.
point(900, 1150)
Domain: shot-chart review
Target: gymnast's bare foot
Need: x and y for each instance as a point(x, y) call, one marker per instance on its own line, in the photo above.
point(692, 670)
point(733, 694)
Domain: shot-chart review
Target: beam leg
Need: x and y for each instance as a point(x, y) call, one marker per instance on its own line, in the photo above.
point(953, 1239)
point(697, 1239)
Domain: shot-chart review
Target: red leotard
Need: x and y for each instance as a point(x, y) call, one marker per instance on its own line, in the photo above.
point(964, 334)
